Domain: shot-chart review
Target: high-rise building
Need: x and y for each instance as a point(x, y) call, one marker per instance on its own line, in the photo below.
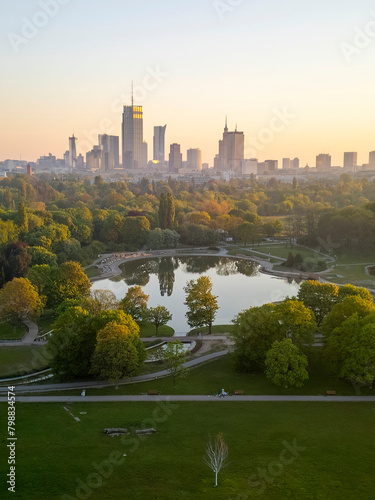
point(286, 163)
point(94, 158)
point(323, 162)
point(250, 166)
point(72, 151)
point(372, 159)
point(350, 161)
point(29, 170)
point(132, 137)
point(194, 159)
point(231, 151)
point(175, 159)
point(111, 152)
point(159, 144)
point(295, 164)
point(272, 165)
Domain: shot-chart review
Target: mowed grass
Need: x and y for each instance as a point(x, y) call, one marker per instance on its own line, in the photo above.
point(16, 361)
point(211, 377)
point(92, 272)
point(10, 331)
point(333, 460)
point(149, 330)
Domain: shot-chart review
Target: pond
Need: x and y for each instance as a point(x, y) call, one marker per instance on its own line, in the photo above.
point(237, 283)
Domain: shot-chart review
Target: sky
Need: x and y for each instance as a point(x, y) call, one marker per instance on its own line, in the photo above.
point(296, 77)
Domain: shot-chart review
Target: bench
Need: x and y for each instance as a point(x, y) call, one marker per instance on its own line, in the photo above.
point(239, 393)
point(153, 392)
point(331, 393)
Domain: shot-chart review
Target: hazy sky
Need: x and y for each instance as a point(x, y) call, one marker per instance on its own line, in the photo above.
point(252, 60)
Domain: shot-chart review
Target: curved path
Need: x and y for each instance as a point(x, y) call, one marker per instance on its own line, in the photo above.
point(28, 339)
point(100, 385)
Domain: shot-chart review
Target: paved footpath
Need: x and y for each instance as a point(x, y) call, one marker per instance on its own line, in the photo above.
point(231, 399)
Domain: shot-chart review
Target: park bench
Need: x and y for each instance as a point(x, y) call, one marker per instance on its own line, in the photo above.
point(239, 393)
point(331, 393)
point(153, 392)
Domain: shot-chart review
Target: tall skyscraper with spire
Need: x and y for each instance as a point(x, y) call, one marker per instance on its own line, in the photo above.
point(132, 137)
point(231, 151)
point(72, 151)
point(159, 144)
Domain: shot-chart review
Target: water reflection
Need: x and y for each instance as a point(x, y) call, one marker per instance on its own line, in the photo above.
point(237, 283)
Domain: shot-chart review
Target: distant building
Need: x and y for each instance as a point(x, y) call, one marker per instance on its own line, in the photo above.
point(272, 165)
point(175, 158)
point(72, 151)
point(295, 164)
point(29, 170)
point(231, 151)
point(94, 158)
point(47, 162)
point(286, 163)
point(323, 162)
point(110, 145)
point(132, 137)
point(194, 159)
point(144, 159)
point(159, 144)
point(350, 162)
point(372, 159)
point(250, 166)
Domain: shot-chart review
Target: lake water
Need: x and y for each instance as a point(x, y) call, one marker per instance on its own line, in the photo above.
point(237, 283)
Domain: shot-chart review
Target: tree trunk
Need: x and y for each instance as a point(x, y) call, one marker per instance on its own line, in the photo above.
point(215, 479)
point(157, 328)
point(209, 328)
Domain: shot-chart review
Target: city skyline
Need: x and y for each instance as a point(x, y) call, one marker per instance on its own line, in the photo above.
point(312, 62)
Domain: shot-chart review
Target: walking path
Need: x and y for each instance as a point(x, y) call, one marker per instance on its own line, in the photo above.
point(231, 399)
point(28, 339)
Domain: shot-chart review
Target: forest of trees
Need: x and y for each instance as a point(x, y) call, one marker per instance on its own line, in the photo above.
point(46, 221)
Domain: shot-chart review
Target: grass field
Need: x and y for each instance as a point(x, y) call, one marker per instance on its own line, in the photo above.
point(149, 330)
point(277, 451)
point(216, 330)
point(210, 378)
point(45, 322)
point(92, 272)
point(8, 331)
point(21, 360)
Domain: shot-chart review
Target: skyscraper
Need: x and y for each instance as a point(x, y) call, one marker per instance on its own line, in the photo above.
point(159, 144)
point(323, 162)
point(72, 151)
point(132, 137)
point(111, 152)
point(350, 161)
point(372, 159)
point(231, 151)
point(286, 163)
point(175, 159)
point(194, 159)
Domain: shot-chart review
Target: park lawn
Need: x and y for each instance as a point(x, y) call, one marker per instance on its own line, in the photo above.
point(45, 322)
point(92, 272)
point(149, 330)
point(9, 331)
point(211, 377)
point(333, 457)
point(283, 251)
point(216, 330)
point(22, 360)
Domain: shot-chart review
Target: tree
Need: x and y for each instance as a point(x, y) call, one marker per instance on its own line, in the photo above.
point(99, 301)
point(343, 310)
point(350, 350)
point(217, 454)
point(174, 357)
point(297, 322)
point(159, 316)
point(285, 366)
point(171, 211)
point(69, 281)
point(17, 260)
point(319, 297)
point(163, 211)
point(19, 299)
point(115, 355)
point(135, 231)
point(202, 304)
point(135, 303)
point(22, 219)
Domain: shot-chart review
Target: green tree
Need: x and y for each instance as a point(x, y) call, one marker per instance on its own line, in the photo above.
point(19, 300)
point(350, 350)
point(297, 322)
point(163, 211)
point(135, 303)
point(171, 211)
point(40, 256)
point(135, 231)
point(285, 366)
point(319, 297)
point(159, 316)
point(345, 309)
point(174, 358)
point(115, 355)
point(69, 281)
point(202, 304)
point(22, 219)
